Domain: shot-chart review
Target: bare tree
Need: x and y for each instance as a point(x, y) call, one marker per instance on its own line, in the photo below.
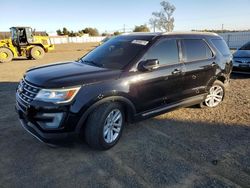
point(153, 23)
point(163, 20)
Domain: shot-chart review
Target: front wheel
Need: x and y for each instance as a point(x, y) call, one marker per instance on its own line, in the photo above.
point(104, 126)
point(6, 55)
point(215, 96)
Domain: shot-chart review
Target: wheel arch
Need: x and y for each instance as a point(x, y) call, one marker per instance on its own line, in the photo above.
point(34, 45)
point(221, 78)
point(129, 109)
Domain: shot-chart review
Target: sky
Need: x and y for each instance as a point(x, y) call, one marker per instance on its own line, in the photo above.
point(111, 15)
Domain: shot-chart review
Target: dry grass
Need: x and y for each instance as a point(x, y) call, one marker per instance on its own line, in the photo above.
point(13, 71)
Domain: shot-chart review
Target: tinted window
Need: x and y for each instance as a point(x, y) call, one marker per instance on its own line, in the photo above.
point(245, 47)
point(221, 46)
point(195, 49)
point(166, 51)
point(115, 53)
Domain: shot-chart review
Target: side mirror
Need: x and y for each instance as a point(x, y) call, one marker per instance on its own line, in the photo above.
point(148, 65)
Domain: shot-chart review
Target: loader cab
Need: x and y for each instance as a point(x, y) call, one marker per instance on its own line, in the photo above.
point(21, 36)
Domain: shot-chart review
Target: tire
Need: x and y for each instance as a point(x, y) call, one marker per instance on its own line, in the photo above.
point(6, 55)
point(98, 129)
point(215, 96)
point(36, 52)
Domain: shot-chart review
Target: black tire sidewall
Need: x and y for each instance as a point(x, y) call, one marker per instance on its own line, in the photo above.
point(99, 125)
point(104, 143)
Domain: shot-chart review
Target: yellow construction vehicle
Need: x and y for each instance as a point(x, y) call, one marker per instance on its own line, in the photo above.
point(23, 44)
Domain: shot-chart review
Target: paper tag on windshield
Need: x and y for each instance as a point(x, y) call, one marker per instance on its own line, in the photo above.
point(141, 42)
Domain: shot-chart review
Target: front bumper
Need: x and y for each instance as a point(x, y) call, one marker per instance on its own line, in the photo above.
point(55, 136)
point(241, 67)
point(48, 138)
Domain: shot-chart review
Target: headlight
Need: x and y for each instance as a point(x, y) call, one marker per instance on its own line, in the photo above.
point(57, 95)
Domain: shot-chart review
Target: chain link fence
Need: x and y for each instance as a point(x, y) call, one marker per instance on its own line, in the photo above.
point(236, 39)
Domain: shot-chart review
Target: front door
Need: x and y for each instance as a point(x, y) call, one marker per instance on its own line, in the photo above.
point(163, 85)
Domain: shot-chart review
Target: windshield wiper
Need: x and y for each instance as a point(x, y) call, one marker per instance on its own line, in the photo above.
point(91, 63)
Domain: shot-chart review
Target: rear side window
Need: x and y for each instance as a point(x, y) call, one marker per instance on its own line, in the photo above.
point(195, 49)
point(166, 51)
point(221, 46)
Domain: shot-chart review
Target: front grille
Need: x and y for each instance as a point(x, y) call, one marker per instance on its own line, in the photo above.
point(243, 61)
point(26, 92)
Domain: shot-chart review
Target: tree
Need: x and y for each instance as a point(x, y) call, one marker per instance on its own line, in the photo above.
point(141, 28)
point(91, 31)
point(73, 34)
point(104, 34)
point(117, 33)
point(80, 33)
point(163, 20)
point(153, 22)
point(65, 31)
point(59, 32)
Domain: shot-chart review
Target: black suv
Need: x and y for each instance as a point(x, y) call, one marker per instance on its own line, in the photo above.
point(128, 78)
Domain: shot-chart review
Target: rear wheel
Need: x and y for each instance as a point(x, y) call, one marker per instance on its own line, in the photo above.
point(6, 55)
point(215, 96)
point(36, 52)
point(104, 126)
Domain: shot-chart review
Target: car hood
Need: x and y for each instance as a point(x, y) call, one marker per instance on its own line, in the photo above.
point(242, 53)
point(68, 74)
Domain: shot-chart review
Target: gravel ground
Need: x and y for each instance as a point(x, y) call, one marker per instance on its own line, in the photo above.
point(189, 147)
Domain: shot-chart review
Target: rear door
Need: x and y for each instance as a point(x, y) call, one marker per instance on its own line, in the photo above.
point(199, 64)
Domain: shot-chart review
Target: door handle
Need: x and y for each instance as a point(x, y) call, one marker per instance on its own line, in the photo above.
point(176, 71)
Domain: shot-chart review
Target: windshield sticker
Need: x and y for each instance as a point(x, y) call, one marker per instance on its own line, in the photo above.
point(140, 42)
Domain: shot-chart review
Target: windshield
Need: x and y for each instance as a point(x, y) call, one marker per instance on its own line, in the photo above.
point(245, 47)
point(13, 33)
point(116, 53)
point(106, 39)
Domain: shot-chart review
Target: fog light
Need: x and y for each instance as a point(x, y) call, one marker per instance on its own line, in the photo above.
point(50, 120)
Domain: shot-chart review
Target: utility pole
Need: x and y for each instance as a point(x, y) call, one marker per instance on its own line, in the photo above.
point(222, 27)
point(124, 28)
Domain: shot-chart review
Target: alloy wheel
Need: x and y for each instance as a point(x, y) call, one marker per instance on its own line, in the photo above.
point(112, 126)
point(215, 96)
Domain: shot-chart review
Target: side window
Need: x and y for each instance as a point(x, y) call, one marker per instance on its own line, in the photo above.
point(195, 49)
point(245, 47)
point(221, 46)
point(166, 51)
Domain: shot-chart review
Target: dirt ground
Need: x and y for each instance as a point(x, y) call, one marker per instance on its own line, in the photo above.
point(189, 147)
